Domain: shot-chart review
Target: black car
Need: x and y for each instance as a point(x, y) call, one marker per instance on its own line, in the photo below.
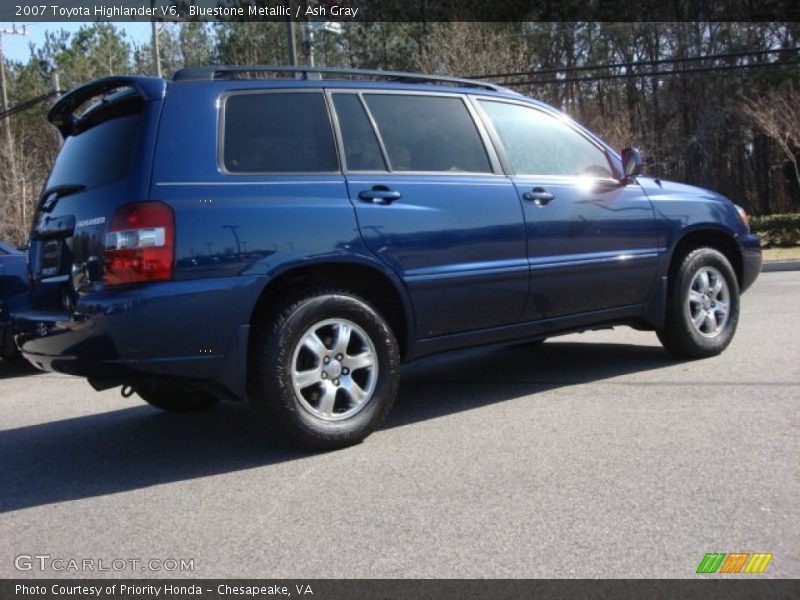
point(13, 281)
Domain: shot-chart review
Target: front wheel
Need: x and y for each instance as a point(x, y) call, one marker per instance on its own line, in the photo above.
point(702, 307)
point(324, 369)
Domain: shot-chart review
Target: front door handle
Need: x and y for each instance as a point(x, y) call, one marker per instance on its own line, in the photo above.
point(380, 194)
point(538, 196)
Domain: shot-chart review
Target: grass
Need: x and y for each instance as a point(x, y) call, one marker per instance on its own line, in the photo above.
point(792, 253)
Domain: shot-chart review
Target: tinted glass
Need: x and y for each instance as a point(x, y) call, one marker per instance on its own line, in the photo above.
point(97, 156)
point(538, 144)
point(428, 133)
point(361, 149)
point(278, 133)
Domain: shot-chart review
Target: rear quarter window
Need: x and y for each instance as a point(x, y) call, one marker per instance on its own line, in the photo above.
point(277, 133)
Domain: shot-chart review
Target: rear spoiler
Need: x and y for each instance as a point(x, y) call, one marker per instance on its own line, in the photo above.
point(61, 114)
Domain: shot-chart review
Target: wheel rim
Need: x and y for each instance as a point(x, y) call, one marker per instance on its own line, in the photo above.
point(708, 302)
point(334, 369)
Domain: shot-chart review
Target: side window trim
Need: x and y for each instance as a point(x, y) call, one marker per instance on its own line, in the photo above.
point(337, 131)
point(220, 159)
point(486, 137)
point(501, 149)
point(339, 138)
point(494, 137)
point(376, 131)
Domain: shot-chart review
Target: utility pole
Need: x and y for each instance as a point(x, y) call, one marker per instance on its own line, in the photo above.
point(12, 163)
point(156, 51)
point(3, 32)
point(55, 84)
point(154, 42)
point(309, 36)
point(290, 34)
point(308, 41)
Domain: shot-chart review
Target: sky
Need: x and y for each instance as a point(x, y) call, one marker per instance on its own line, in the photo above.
point(17, 47)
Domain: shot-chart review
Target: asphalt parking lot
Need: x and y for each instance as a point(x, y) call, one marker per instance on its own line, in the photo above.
point(593, 455)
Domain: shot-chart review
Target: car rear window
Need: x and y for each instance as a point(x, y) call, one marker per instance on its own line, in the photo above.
point(98, 155)
point(278, 133)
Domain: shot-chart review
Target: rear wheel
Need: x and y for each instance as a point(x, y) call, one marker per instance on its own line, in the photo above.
point(172, 398)
point(324, 369)
point(703, 306)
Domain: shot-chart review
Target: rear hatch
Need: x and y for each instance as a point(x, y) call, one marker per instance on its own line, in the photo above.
point(109, 128)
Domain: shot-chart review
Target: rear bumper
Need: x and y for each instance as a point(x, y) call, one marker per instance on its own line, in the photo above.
point(751, 260)
point(192, 330)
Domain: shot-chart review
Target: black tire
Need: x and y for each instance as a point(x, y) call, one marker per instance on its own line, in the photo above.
point(10, 354)
point(8, 350)
point(680, 335)
point(173, 398)
point(277, 349)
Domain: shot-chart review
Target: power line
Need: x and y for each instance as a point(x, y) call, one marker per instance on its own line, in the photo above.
point(27, 104)
point(629, 65)
point(645, 74)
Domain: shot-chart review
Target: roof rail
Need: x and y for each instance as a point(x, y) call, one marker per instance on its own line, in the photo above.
point(221, 71)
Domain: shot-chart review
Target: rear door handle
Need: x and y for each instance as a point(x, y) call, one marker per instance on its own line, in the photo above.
point(538, 196)
point(379, 195)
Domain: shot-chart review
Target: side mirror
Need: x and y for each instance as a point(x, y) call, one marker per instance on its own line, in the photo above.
point(632, 163)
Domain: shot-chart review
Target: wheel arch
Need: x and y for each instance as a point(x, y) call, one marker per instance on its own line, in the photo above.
point(367, 279)
point(707, 236)
point(698, 236)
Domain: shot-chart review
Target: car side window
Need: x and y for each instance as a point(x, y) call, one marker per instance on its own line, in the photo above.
point(428, 133)
point(361, 149)
point(538, 144)
point(278, 133)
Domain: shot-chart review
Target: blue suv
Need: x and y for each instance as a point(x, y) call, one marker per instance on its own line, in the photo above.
point(291, 236)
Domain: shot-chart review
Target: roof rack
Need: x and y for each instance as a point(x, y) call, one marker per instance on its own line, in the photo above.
point(223, 71)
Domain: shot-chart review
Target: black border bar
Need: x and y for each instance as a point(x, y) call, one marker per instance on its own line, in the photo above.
point(398, 10)
point(704, 588)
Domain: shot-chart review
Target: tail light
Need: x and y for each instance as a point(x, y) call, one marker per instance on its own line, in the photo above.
point(140, 244)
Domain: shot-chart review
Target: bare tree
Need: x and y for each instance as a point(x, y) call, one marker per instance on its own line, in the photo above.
point(644, 84)
point(472, 48)
point(777, 115)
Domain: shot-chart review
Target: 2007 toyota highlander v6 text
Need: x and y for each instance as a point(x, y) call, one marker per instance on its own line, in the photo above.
point(292, 240)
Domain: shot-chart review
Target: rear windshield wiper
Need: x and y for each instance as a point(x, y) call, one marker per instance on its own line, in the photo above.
point(51, 196)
